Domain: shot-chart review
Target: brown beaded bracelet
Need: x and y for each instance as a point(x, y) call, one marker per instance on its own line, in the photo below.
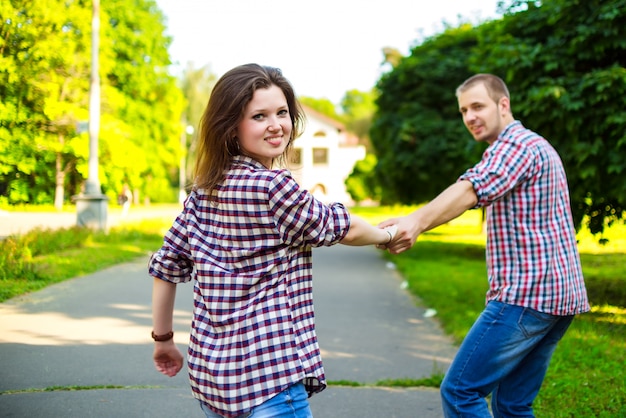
point(164, 337)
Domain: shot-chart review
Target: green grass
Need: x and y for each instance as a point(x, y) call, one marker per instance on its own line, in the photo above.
point(76, 388)
point(445, 270)
point(43, 257)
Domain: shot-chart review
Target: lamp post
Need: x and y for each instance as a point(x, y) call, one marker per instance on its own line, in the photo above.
point(91, 205)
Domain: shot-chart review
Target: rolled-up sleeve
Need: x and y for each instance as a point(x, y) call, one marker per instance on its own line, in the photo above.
point(503, 167)
point(172, 262)
point(303, 220)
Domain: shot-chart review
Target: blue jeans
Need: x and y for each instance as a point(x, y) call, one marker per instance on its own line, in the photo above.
point(290, 403)
point(506, 354)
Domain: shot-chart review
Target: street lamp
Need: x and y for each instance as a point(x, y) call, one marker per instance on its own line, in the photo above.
point(91, 205)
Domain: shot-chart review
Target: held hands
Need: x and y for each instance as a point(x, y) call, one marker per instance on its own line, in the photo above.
point(404, 236)
point(167, 358)
point(391, 231)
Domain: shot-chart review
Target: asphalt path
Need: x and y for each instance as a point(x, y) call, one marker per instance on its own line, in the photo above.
point(92, 333)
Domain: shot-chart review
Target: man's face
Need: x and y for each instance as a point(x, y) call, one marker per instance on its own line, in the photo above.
point(481, 115)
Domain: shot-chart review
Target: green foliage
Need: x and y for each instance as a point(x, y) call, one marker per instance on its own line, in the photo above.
point(45, 60)
point(362, 183)
point(564, 62)
point(358, 109)
point(44, 78)
point(419, 140)
point(143, 142)
point(323, 106)
point(576, 51)
point(196, 85)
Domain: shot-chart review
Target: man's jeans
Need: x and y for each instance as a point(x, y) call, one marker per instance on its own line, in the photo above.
point(506, 353)
point(290, 403)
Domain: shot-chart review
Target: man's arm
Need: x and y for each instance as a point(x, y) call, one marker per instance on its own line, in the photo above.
point(449, 204)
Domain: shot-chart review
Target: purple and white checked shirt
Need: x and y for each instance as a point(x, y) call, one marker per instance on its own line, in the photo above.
point(532, 257)
point(253, 331)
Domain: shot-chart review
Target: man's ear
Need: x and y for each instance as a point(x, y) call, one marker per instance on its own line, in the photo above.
point(505, 105)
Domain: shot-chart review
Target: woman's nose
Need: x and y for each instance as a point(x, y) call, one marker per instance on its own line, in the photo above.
point(273, 124)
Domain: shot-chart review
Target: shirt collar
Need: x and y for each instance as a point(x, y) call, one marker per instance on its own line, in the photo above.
point(510, 127)
point(243, 160)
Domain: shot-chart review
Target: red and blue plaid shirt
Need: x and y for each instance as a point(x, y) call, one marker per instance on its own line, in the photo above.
point(253, 331)
point(532, 257)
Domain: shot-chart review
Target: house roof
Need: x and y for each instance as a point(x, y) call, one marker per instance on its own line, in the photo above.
point(310, 112)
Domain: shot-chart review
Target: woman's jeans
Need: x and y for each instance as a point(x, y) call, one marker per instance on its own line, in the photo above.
point(290, 403)
point(506, 353)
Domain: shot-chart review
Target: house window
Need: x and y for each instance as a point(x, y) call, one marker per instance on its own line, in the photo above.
point(295, 157)
point(320, 155)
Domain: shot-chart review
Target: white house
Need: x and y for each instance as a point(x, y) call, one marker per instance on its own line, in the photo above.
point(324, 156)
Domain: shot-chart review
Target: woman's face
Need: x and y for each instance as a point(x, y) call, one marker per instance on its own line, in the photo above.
point(265, 129)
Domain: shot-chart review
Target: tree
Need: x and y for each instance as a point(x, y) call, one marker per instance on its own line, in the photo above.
point(358, 109)
point(362, 183)
point(419, 140)
point(564, 63)
point(323, 106)
point(576, 53)
point(197, 85)
point(142, 102)
point(44, 82)
point(44, 74)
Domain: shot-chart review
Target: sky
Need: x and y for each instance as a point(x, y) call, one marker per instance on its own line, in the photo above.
point(324, 47)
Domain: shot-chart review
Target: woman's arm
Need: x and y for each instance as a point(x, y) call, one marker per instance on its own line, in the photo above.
point(167, 357)
point(362, 233)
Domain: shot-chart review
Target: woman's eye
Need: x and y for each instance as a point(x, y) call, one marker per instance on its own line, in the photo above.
point(283, 112)
point(258, 117)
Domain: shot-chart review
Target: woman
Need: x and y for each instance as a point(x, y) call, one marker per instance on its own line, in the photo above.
point(245, 237)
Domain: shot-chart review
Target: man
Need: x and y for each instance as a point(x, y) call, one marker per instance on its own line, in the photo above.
point(535, 280)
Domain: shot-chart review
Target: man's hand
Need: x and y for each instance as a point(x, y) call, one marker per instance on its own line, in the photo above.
point(167, 358)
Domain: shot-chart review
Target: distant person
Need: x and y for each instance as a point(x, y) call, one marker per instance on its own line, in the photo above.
point(244, 238)
point(536, 284)
point(125, 198)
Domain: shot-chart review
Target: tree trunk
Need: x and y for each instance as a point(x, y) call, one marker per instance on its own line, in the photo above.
point(59, 191)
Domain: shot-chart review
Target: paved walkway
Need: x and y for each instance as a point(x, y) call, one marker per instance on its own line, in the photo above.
point(94, 331)
point(12, 223)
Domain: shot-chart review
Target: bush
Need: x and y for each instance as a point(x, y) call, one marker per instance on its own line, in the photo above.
point(15, 259)
point(17, 252)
